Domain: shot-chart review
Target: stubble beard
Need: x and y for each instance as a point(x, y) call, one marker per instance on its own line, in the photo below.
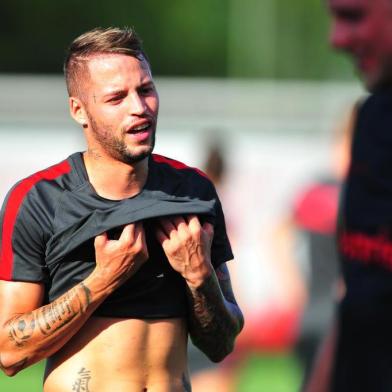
point(116, 147)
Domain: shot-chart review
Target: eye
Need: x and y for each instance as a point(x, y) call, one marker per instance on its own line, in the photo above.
point(116, 98)
point(147, 90)
point(352, 16)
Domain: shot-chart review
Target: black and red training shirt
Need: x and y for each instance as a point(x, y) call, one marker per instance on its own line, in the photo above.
point(49, 221)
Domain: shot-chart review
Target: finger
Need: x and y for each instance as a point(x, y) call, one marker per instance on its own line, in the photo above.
point(208, 228)
point(194, 223)
point(181, 226)
point(140, 237)
point(128, 233)
point(189, 218)
point(161, 236)
point(167, 226)
point(138, 233)
point(100, 240)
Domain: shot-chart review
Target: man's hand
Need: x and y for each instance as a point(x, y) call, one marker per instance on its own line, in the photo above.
point(187, 246)
point(118, 260)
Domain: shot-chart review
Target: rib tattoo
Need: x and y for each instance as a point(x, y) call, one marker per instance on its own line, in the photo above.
point(81, 384)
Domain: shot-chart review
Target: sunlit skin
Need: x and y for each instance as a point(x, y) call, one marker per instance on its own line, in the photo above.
point(118, 109)
point(363, 28)
point(119, 97)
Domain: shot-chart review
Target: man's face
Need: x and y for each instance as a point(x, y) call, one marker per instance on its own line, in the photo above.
point(122, 106)
point(363, 28)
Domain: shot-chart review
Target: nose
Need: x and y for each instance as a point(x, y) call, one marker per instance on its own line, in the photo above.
point(341, 36)
point(137, 104)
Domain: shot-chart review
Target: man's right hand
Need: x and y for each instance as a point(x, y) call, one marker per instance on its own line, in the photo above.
point(31, 331)
point(118, 260)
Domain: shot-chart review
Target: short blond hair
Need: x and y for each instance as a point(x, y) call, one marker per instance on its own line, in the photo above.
point(95, 42)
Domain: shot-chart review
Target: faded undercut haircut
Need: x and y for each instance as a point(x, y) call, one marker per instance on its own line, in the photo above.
point(94, 42)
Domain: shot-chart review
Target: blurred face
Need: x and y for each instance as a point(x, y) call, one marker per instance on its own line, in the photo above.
point(363, 28)
point(121, 106)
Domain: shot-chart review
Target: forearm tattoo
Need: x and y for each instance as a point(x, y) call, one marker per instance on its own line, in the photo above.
point(49, 318)
point(215, 318)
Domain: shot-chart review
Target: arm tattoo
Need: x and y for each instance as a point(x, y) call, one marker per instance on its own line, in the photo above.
point(49, 318)
point(215, 318)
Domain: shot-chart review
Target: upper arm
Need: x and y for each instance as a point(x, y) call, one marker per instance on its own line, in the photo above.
point(18, 298)
point(22, 255)
point(22, 237)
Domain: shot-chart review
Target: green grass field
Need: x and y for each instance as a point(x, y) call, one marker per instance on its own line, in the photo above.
point(270, 373)
point(28, 380)
point(260, 373)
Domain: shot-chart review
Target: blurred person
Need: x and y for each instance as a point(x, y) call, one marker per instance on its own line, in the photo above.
point(357, 352)
point(112, 257)
point(215, 165)
point(308, 236)
point(204, 374)
point(271, 329)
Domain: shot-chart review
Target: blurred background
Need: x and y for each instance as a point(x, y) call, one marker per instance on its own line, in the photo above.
point(251, 93)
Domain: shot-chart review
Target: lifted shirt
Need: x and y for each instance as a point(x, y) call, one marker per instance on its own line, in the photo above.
point(50, 219)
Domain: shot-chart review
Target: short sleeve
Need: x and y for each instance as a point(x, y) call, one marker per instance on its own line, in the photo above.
point(22, 245)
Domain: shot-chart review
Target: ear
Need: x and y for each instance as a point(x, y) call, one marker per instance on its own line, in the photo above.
point(78, 111)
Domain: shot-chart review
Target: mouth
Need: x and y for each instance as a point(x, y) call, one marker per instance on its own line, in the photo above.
point(139, 128)
point(140, 131)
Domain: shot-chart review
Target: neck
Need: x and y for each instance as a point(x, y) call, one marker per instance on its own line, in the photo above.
point(113, 179)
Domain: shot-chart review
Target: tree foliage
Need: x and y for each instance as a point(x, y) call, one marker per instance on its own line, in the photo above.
point(224, 38)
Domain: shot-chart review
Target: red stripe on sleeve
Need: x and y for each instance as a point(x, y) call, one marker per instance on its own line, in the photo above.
point(176, 164)
point(12, 208)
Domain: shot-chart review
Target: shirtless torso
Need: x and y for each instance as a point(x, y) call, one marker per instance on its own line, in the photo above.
point(122, 355)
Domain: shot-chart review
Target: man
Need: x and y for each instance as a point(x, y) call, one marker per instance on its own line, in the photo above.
point(358, 351)
point(110, 258)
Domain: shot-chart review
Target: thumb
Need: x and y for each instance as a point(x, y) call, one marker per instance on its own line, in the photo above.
point(100, 240)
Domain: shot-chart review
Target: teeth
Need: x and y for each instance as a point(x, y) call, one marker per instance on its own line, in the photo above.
point(141, 127)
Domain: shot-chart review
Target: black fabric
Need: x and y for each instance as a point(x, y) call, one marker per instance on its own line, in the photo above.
point(58, 220)
point(364, 349)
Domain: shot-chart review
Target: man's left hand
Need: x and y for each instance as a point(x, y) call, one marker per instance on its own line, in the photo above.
point(187, 245)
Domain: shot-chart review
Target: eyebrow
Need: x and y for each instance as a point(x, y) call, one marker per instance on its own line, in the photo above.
point(114, 92)
point(147, 82)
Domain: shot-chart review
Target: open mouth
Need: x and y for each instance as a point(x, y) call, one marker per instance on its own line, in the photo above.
point(140, 132)
point(140, 128)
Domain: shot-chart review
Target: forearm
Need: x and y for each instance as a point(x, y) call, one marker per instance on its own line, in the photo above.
point(30, 337)
point(214, 322)
point(320, 377)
